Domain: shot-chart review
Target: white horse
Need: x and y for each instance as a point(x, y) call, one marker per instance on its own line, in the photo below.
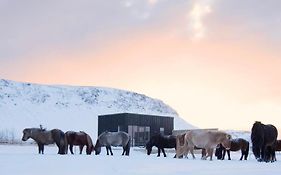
point(109, 139)
point(204, 139)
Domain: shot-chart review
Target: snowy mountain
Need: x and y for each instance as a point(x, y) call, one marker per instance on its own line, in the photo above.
point(69, 108)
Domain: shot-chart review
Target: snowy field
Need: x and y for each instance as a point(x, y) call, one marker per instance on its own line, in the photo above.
point(24, 160)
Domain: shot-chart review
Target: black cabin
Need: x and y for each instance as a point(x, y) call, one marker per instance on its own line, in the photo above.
point(140, 127)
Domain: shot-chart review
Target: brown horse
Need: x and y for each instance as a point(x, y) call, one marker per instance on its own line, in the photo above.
point(236, 145)
point(203, 139)
point(44, 137)
point(79, 138)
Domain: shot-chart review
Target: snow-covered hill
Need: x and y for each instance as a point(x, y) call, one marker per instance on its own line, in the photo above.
point(69, 107)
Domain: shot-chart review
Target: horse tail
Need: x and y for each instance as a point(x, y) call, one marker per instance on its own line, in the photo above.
point(128, 147)
point(89, 144)
point(247, 150)
point(63, 143)
point(59, 138)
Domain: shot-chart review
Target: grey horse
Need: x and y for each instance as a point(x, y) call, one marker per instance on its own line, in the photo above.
point(109, 139)
point(45, 137)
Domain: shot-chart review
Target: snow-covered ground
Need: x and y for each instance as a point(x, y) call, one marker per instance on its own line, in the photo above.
point(24, 160)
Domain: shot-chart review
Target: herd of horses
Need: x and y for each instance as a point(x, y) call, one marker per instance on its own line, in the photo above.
point(263, 138)
point(70, 138)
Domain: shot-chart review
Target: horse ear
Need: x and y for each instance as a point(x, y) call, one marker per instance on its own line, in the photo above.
point(228, 136)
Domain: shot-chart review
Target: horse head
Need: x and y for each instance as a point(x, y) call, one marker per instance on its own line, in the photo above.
point(257, 126)
point(97, 147)
point(148, 147)
point(26, 134)
point(226, 141)
point(89, 143)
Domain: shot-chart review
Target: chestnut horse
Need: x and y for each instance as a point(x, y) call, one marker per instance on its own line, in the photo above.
point(79, 138)
point(236, 145)
point(203, 139)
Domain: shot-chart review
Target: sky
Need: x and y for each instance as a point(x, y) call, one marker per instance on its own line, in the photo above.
point(216, 62)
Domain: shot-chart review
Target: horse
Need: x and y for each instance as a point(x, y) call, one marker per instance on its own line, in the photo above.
point(44, 137)
point(180, 142)
point(109, 139)
point(236, 145)
point(161, 142)
point(278, 145)
point(79, 138)
point(264, 139)
point(204, 139)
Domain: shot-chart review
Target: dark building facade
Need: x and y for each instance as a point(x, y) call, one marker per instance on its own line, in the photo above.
point(140, 127)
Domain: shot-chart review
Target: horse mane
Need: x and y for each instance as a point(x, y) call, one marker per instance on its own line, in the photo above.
point(83, 132)
point(31, 130)
point(42, 128)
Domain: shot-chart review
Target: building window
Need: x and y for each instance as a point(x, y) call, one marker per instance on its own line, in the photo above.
point(139, 134)
point(162, 131)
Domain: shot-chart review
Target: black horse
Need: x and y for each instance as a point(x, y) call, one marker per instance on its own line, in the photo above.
point(278, 145)
point(236, 144)
point(264, 139)
point(161, 142)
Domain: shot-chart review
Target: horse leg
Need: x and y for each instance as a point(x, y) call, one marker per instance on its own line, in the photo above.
point(163, 151)
point(263, 154)
point(71, 148)
point(203, 153)
point(228, 154)
point(42, 148)
point(107, 148)
point(158, 155)
point(39, 148)
point(208, 150)
point(110, 150)
point(242, 154)
point(223, 154)
point(211, 153)
point(273, 156)
point(192, 152)
point(124, 150)
point(246, 155)
point(185, 152)
point(81, 148)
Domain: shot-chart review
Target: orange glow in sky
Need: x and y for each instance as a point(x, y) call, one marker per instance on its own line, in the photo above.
point(209, 71)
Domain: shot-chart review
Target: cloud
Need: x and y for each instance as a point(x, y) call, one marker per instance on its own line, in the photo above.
point(200, 9)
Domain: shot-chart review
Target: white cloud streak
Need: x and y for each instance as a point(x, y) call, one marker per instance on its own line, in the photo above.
point(200, 9)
